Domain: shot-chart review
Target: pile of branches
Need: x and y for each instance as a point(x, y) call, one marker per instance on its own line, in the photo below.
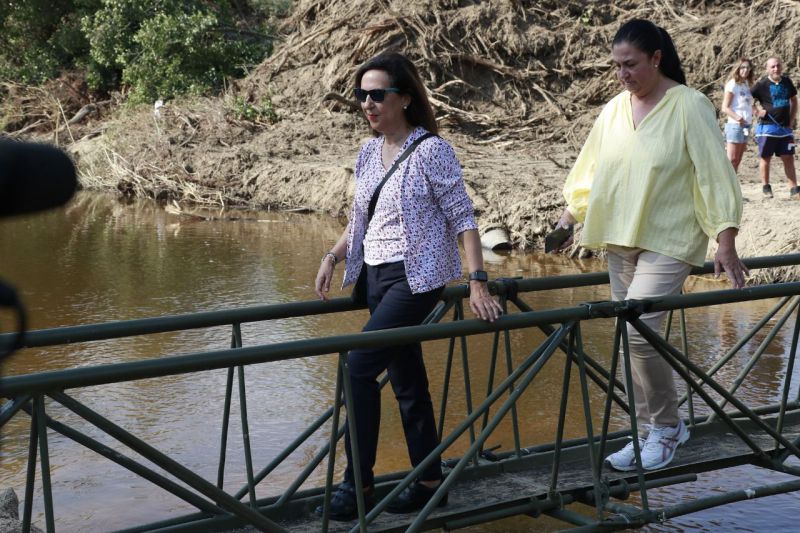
point(511, 70)
point(56, 111)
point(152, 154)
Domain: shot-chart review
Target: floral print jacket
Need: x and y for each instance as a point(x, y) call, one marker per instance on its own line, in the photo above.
point(434, 210)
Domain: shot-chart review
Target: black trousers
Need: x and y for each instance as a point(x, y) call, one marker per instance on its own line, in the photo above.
point(392, 305)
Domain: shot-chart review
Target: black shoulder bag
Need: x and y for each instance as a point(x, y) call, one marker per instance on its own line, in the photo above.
point(360, 290)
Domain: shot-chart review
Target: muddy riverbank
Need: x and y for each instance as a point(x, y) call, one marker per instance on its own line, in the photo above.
point(515, 87)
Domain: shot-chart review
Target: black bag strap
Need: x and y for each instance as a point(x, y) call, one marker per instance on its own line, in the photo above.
point(374, 200)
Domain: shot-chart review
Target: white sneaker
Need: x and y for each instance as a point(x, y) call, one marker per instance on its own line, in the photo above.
point(625, 459)
point(659, 448)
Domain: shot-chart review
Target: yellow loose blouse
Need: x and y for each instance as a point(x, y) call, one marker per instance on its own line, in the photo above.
point(665, 186)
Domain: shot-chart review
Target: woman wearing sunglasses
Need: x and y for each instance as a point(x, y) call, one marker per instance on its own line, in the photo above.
point(402, 244)
point(737, 103)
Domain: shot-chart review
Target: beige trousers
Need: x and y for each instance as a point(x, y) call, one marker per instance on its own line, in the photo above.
point(641, 274)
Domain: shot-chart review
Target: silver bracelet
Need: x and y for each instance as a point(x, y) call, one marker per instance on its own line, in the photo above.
point(335, 259)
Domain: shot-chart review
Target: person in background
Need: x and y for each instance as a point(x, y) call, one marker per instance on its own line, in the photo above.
point(777, 97)
point(651, 185)
point(737, 103)
point(409, 251)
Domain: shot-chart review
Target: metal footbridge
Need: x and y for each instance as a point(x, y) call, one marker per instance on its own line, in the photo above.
point(484, 483)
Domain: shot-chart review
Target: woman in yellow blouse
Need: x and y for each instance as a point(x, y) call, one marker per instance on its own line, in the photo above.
point(651, 185)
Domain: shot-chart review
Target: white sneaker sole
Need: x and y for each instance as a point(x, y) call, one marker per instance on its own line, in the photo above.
point(626, 468)
point(620, 468)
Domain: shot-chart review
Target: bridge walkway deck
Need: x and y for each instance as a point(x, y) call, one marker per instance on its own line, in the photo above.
point(521, 485)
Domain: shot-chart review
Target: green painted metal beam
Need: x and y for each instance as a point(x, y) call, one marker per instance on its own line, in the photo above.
point(144, 326)
point(102, 374)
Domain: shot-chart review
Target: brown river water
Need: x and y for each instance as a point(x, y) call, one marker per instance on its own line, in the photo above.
point(98, 260)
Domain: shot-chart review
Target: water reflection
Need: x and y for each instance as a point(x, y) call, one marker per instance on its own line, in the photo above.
point(97, 260)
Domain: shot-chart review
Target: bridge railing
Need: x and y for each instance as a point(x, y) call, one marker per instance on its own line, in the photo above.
point(562, 327)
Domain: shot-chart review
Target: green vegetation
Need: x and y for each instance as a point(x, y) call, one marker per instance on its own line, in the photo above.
point(263, 112)
point(586, 16)
point(38, 37)
point(152, 48)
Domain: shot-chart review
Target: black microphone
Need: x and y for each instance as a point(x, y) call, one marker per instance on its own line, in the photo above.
point(34, 177)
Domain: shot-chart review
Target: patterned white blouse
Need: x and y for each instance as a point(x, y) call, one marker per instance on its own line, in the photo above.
point(433, 205)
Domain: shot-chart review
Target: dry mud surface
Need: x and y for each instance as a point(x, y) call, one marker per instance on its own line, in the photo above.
point(515, 86)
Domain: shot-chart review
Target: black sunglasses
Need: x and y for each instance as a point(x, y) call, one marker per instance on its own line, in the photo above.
point(377, 95)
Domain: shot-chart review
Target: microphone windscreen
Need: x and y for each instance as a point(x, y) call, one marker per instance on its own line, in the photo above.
point(34, 177)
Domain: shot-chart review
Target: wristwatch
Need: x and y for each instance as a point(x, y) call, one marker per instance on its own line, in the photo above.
point(479, 275)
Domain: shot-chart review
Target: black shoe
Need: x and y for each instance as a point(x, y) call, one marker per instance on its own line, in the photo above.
point(413, 498)
point(344, 506)
point(767, 190)
point(794, 193)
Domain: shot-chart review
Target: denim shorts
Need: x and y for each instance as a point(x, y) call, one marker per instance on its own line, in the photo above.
point(735, 133)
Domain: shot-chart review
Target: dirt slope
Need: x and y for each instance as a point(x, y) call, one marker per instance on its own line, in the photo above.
point(515, 86)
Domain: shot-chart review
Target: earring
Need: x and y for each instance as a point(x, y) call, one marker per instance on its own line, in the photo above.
point(405, 107)
point(655, 66)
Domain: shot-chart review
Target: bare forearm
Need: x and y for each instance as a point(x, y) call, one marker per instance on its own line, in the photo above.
point(472, 249)
point(481, 302)
point(727, 237)
point(322, 284)
point(727, 258)
point(340, 248)
point(728, 111)
point(726, 106)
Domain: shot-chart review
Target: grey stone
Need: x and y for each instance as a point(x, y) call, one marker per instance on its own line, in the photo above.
point(9, 525)
point(9, 505)
point(9, 513)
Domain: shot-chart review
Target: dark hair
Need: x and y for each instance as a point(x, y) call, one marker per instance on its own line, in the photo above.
point(648, 38)
point(404, 76)
point(734, 75)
